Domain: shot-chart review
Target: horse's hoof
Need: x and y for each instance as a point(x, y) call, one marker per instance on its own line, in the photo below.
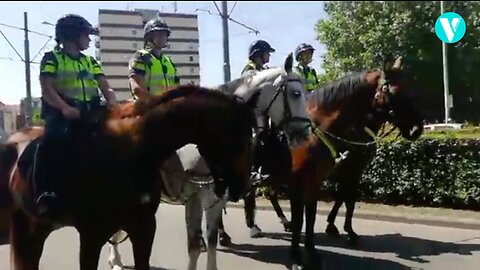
point(297, 267)
point(287, 226)
point(353, 238)
point(332, 230)
point(115, 266)
point(203, 246)
point(225, 240)
point(255, 232)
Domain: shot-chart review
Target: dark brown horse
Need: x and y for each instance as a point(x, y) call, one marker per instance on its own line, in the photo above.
point(336, 110)
point(361, 149)
point(125, 146)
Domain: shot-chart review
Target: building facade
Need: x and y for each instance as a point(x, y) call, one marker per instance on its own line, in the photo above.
point(8, 119)
point(121, 34)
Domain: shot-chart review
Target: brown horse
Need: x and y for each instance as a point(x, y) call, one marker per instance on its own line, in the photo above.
point(335, 111)
point(361, 146)
point(361, 151)
point(126, 146)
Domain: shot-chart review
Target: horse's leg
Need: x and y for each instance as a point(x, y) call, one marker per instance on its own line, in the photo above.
point(331, 228)
point(193, 219)
point(310, 215)
point(213, 214)
point(297, 207)
point(352, 235)
point(142, 234)
point(91, 242)
point(115, 260)
point(224, 239)
point(350, 196)
point(26, 242)
point(279, 211)
point(249, 208)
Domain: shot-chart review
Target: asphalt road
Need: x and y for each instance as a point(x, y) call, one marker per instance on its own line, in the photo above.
point(384, 245)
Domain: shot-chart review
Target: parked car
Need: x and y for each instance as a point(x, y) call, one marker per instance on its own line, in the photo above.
point(443, 126)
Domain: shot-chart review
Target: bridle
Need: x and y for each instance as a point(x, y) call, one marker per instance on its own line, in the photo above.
point(287, 113)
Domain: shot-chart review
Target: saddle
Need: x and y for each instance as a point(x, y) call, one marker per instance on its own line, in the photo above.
point(45, 172)
point(27, 164)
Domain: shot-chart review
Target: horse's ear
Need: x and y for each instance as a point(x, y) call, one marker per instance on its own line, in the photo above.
point(289, 63)
point(398, 63)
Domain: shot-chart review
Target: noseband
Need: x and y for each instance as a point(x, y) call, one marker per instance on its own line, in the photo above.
point(287, 114)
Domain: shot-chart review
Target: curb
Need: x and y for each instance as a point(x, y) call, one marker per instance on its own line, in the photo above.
point(361, 214)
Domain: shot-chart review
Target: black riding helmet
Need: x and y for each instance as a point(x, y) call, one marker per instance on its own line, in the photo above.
point(155, 24)
point(259, 46)
point(70, 26)
point(301, 48)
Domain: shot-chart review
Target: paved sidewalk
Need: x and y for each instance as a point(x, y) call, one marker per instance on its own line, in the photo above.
point(404, 214)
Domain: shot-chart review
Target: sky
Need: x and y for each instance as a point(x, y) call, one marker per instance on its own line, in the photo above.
point(283, 24)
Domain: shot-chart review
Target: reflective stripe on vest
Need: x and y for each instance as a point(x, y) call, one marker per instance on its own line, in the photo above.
point(74, 78)
point(311, 81)
point(156, 81)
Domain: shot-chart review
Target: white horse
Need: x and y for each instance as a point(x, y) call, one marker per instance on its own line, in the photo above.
point(278, 94)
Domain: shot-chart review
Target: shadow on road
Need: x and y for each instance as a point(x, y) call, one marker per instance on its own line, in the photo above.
point(336, 261)
point(151, 268)
point(405, 247)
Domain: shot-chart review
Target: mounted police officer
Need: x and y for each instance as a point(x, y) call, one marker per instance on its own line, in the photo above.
point(70, 82)
point(303, 55)
point(258, 56)
point(151, 71)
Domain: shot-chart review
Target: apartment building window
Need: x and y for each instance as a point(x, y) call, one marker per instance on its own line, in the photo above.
point(192, 70)
point(134, 45)
point(134, 32)
point(191, 58)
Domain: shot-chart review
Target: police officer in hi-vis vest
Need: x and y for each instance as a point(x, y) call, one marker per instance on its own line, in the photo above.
point(258, 56)
point(151, 71)
point(304, 54)
point(70, 82)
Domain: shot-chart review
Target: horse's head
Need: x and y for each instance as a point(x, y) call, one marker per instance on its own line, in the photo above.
point(393, 104)
point(277, 94)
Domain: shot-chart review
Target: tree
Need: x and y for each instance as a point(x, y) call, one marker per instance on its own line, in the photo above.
point(359, 34)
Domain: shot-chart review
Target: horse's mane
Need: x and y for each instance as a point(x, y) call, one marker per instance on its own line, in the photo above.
point(339, 91)
point(252, 78)
point(145, 104)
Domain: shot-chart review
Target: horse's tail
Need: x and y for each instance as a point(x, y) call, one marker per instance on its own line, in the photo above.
point(8, 156)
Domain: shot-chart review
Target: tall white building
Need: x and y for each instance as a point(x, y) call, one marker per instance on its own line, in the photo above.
point(121, 34)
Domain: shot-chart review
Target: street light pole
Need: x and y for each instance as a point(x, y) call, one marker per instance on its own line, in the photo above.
point(28, 115)
point(226, 49)
point(445, 74)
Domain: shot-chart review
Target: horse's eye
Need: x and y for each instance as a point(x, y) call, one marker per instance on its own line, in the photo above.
point(297, 94)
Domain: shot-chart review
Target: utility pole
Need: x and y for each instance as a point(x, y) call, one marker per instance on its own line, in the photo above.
point(445, 73)
point(226, 48)
point(28, 115)
point(225, 15)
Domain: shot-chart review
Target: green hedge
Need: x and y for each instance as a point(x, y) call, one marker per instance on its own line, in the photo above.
point(433, 172)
